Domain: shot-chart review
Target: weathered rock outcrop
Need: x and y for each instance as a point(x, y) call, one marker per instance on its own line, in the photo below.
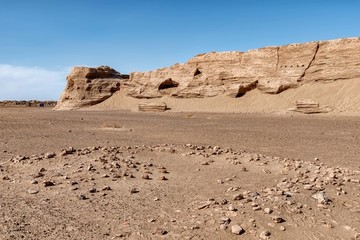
point(270, 69)
point(89, 86)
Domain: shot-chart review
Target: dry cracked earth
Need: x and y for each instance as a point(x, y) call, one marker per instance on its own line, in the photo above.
point(118, 175)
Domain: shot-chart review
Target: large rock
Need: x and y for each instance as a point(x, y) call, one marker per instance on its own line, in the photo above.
point(89, 86)
point(270, 69)
point(152, 107)
point(309, 106)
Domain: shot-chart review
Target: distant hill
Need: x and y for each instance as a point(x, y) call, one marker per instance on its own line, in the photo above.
point(31, 103)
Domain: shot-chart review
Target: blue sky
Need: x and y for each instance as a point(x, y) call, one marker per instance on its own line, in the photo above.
point(41, 40)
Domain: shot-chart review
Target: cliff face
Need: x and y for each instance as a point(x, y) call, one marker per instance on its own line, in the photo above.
point(88, 86)
point(271, 70)
point(335, 60)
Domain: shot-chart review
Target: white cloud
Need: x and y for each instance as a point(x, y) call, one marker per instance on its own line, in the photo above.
point(28, 83)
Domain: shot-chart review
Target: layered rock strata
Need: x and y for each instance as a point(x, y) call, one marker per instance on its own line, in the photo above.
point(89, 86)
point(270, 69)
point(308, 106)
point(152, 107)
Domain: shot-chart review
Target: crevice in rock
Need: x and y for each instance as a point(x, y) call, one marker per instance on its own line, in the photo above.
point(278, 57)
point(240, 94)
point(197, 72)
point(168, 83)
point(167, 86)
point(312, 60)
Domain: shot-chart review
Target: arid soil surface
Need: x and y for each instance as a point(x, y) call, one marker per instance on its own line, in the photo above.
point(128, 175)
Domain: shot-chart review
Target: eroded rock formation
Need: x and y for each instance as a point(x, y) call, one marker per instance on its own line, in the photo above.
point(270, 69)
point(89, 86)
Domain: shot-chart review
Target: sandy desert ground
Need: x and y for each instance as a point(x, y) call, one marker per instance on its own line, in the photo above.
point(129, 175)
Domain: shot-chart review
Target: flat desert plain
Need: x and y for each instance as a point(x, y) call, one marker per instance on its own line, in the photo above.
point(130, 175)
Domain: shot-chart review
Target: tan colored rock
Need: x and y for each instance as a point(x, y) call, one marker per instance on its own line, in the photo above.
point(152, 107)
point(239, 89)
point(309, 106)
point(274, 86)
point(270, 69)
point(335, 60)
point(89, 86)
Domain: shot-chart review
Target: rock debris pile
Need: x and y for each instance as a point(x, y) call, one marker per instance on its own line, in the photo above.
point(179, 191)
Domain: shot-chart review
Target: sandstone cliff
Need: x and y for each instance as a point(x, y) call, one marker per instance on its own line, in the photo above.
point(89, 86)
point(270, 69)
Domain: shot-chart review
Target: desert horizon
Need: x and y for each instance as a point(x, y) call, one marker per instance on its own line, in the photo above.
point(197, 120)
point(209, 149)
point(178, 175)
